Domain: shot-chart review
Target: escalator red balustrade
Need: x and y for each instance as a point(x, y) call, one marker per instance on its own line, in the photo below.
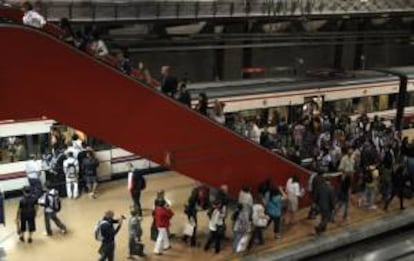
point(42, 76)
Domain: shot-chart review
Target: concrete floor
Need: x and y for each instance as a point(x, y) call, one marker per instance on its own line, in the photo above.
point(81, 215)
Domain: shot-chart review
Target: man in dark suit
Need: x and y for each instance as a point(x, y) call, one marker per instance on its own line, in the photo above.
point(184, 95)
point(168, 82)
point(325, 200)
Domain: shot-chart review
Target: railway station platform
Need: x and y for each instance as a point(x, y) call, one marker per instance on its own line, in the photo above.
point(80, 216)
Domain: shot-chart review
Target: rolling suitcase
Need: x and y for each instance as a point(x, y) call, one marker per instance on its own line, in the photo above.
point(137, 249)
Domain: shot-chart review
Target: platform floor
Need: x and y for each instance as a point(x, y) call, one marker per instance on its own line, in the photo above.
point(81, 215)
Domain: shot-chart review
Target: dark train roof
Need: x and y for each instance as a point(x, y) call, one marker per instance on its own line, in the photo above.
point(268, 85)
point(405, 71)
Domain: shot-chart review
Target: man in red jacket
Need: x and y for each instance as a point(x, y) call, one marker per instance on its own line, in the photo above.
point(162, 216)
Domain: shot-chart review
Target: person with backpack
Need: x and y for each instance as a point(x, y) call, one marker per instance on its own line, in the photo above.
point(52, 206)
point(71, 169)
point(90, 165)
point(26, 215)
point(105, 233)
point(136, 183)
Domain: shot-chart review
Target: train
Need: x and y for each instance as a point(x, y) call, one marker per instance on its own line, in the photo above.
point(374, 92)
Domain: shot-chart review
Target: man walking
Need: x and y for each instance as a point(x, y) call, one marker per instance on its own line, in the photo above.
point(33, 169)
point(398, 181)
point(325, 201)
point(52, 207)
point(26, 214)
point(107, 234)
point(136, 183)
point(162, 216)
point(90, 165)
point(168, 82)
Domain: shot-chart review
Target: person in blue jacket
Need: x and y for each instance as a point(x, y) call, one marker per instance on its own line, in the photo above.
point(274, 209)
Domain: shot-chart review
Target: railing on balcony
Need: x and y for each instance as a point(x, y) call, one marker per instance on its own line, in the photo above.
point(81, 11)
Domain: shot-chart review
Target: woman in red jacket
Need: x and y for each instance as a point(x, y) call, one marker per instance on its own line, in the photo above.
point(162, 216)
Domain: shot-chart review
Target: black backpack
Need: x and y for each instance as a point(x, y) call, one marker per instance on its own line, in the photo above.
point(139, 181)
point(71, 171)
point(53, 202)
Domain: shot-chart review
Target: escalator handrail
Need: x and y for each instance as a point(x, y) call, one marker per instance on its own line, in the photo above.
point(17, 15)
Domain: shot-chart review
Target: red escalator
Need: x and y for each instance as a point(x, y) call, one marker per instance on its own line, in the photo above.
point(39, 75)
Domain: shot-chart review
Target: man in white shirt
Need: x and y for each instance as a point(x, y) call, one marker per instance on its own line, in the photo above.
point(347, 164)
point(98, 46)
point(33, 169)
point(253, 132)
point(31, 17)
point(246, 198)
point(216, 227)
point(77, 143)
point(71, 169)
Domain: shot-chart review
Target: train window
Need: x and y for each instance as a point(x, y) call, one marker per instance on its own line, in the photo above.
point(259, 116)
point(410, 99)
point(295, 113)
point(365, 105)
point(383, 103)
point(98, 144)
point(14, 149)
point(276, 114)
point(392, 101)
point(344, 106)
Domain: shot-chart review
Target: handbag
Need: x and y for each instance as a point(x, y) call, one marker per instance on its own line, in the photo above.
point(137, 249)
point(262, 222)
point(154, 232)
point(242, 245)
point(188, 229)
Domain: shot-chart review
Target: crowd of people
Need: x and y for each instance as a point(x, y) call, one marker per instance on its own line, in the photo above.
point(70, 167)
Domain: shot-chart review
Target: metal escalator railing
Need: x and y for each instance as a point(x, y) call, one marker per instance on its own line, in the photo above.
point(101, 11)
point(15, 15)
